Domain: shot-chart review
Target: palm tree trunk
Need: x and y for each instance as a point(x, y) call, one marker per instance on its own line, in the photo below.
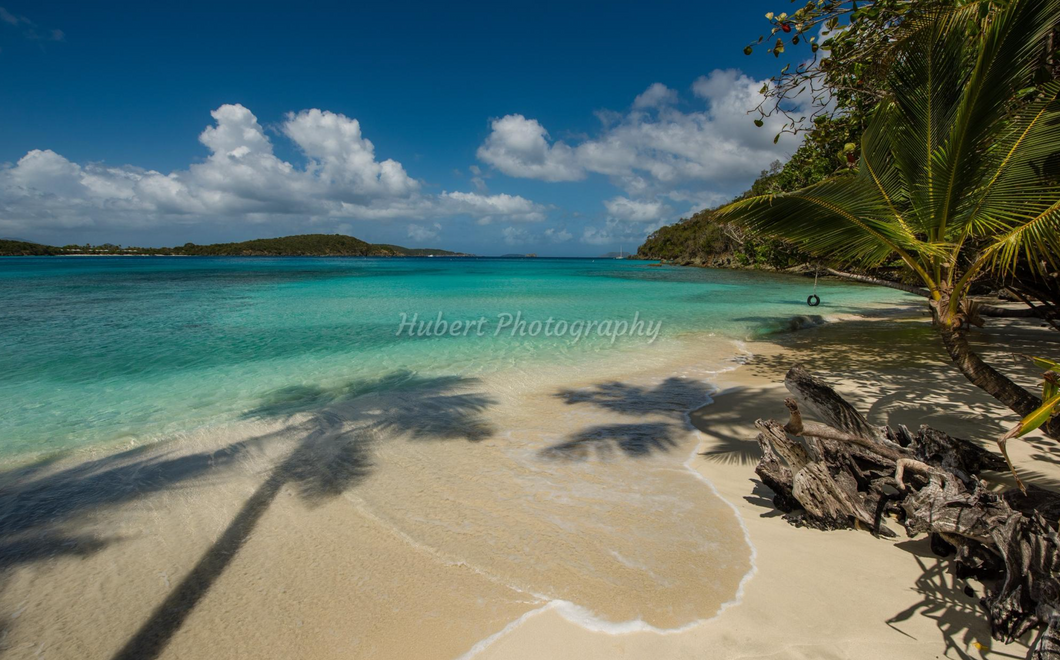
point(990, 380)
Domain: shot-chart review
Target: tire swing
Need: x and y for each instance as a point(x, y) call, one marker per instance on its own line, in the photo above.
point(814, 300)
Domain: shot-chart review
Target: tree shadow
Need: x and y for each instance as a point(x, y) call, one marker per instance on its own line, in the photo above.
point(45, 511)
point(672, 398)
point(731, 442)
point(633, 440)
point(332, 454)
point(673, 395)
point(954, 608)
point(930, 389)
point(40, 511)
point(900, 374)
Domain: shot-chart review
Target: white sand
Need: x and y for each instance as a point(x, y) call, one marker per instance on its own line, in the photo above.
point(827, 594)
point(617, 546)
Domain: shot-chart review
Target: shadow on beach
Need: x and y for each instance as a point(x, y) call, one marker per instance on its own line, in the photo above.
point(896, 373)
point(324, 448)
point(670, 399)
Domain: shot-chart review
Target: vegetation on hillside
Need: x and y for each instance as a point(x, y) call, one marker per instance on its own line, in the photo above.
point(304, 245)
point(25, 249)
point(706, 240)
point(955, 175)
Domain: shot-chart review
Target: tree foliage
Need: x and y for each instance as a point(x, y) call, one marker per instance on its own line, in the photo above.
point(848, 48)
point(307, 245)
point(958, 173)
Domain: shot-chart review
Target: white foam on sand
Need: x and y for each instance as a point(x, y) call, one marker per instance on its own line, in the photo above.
point(590, 621)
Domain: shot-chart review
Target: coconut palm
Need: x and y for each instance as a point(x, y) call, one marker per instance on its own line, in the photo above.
point(956, 177)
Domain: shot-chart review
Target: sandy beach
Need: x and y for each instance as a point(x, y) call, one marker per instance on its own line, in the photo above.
point(530, 331)
point(507, 518)
point(838, 594)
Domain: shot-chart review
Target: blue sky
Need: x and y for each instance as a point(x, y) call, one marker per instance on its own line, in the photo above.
point(568, 128)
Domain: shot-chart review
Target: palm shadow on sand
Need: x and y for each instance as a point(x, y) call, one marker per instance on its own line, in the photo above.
point(332, 432)
point(672, 398)
point(332, 455)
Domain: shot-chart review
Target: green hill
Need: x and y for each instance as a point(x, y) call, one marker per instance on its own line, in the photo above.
point(25, 249)
point(703, 241)
point(303, 245)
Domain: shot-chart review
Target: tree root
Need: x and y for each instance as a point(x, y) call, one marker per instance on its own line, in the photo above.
point(848, 473)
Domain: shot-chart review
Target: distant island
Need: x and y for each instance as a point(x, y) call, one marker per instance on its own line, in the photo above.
point(303, 245)
point(518, 256)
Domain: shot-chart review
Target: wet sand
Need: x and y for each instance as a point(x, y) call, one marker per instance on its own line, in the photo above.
point(837, 594)
point(412, 517)
point(544, 514)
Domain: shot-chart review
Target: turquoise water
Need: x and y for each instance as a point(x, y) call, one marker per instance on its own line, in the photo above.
point(99, 350)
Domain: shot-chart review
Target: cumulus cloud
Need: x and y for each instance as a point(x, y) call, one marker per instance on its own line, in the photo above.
point(629, 210)
point(487, 207)
point(654, 150)
point(241, 179)
point(421, 233)
point(557, 235)
point(656, 96)
point(598, 236)
point(520, 147)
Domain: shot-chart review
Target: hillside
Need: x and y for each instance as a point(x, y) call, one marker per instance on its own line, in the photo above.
point(26, 249)
point(304, 245)
point(691, 241)
point(702, 241)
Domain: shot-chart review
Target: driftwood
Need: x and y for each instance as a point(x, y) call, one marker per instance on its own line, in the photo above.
point(846, 473)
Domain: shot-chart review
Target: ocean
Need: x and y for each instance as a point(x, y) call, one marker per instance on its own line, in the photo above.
point(369, 458)
point(103, 350)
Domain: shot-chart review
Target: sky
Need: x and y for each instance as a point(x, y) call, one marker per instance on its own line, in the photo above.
point(558, 128)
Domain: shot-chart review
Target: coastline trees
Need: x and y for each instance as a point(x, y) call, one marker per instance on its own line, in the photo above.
point(955, 175)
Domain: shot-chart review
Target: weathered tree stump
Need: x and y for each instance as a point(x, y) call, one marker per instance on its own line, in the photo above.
point(847, 472)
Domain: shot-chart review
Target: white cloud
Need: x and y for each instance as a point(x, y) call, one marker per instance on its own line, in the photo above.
point(597, 236)
point(629, 210)
point(716, 149)
point(487, 207)
point(555, 235)
point(519, 147)
point(420, 233)
point(241, 180)
point(343, 159)
point(656, 96)
point(624, 235)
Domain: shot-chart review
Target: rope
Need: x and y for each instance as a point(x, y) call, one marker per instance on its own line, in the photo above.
point(814, 300)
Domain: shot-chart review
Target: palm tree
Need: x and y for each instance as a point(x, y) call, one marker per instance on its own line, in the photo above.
point(956, 176)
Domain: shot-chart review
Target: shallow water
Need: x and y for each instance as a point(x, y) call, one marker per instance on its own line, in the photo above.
point(96, 350)
point(260, 467)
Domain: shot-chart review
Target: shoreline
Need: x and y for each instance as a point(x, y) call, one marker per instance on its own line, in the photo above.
point(595, 532)
point(768, 589)
point(588, 621)
point(820, 594)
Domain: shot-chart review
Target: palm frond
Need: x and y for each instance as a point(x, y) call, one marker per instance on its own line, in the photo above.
point(1037, 239)
point(877, 166)
point(843, 219)
point(926, 84)
point(1006, 57)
